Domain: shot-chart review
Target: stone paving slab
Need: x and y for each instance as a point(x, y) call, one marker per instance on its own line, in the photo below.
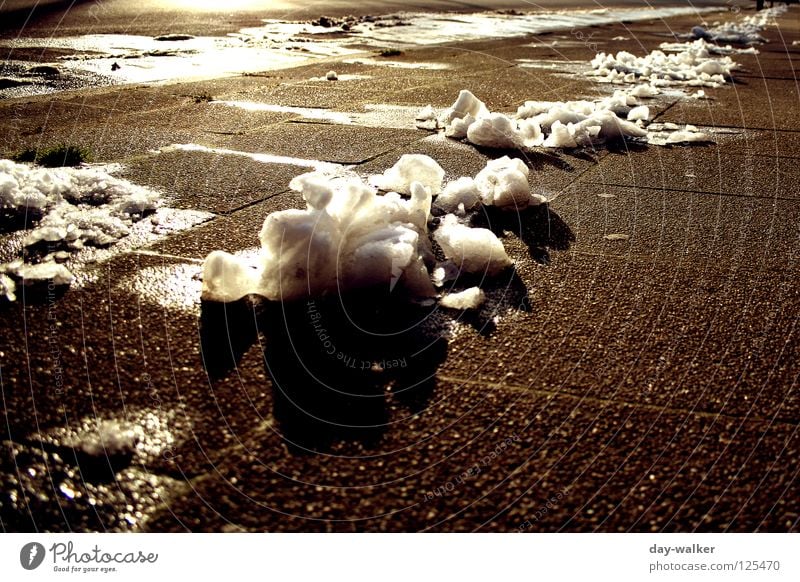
point(669, 334)
point(751, 104)
point(706, 168)
point(727, 232)
point(210, 182)
point(341, 144)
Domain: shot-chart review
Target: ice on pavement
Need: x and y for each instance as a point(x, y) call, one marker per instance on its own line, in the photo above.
point(66, 209)
point(350, 236)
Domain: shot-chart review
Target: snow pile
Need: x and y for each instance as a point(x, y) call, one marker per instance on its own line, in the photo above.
point(351, 236)
point(409, 169)
point(547, 124)
point(689, 64)
point(747, 31)
point(110, 438)
point(459, 196)
point(71, 208)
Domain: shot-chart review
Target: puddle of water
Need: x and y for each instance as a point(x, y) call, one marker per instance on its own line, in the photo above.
point(277, 44)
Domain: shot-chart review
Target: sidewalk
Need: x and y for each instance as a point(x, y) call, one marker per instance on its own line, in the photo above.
point(645, 383)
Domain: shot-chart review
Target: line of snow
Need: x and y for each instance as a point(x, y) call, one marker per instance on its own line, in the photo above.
point(305, 112)
point(746, 31)
point(572, 124)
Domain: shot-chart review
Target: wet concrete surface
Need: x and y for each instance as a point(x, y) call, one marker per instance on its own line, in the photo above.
point(642, 382)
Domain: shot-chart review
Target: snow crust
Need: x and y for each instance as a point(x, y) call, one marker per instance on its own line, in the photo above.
point(71, 208)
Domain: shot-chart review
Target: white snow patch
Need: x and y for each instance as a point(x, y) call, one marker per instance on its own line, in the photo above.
point(109, 438)
point(305, 112)
point(256, 157)
point(79, 207)
point(642, 112)
point(471, 298)
point(462, 193)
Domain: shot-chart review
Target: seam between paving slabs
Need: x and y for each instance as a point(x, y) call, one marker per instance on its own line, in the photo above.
point(687, 191)
point(616, 403)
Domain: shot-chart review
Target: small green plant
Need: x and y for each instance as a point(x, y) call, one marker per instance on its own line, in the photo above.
point(203, 97)
point(390, 53)
point(55, 156)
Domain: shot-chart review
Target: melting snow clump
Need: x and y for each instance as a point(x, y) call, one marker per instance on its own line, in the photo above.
point(70, 208)
point(692, 66)
point(546, 124)
point(473, 250)
point(471, 298)
point(332, 76)
point(409, 169)
point(504, 183)
point(350, 236)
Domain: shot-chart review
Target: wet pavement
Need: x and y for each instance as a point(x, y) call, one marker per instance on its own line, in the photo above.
point(637, 371)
